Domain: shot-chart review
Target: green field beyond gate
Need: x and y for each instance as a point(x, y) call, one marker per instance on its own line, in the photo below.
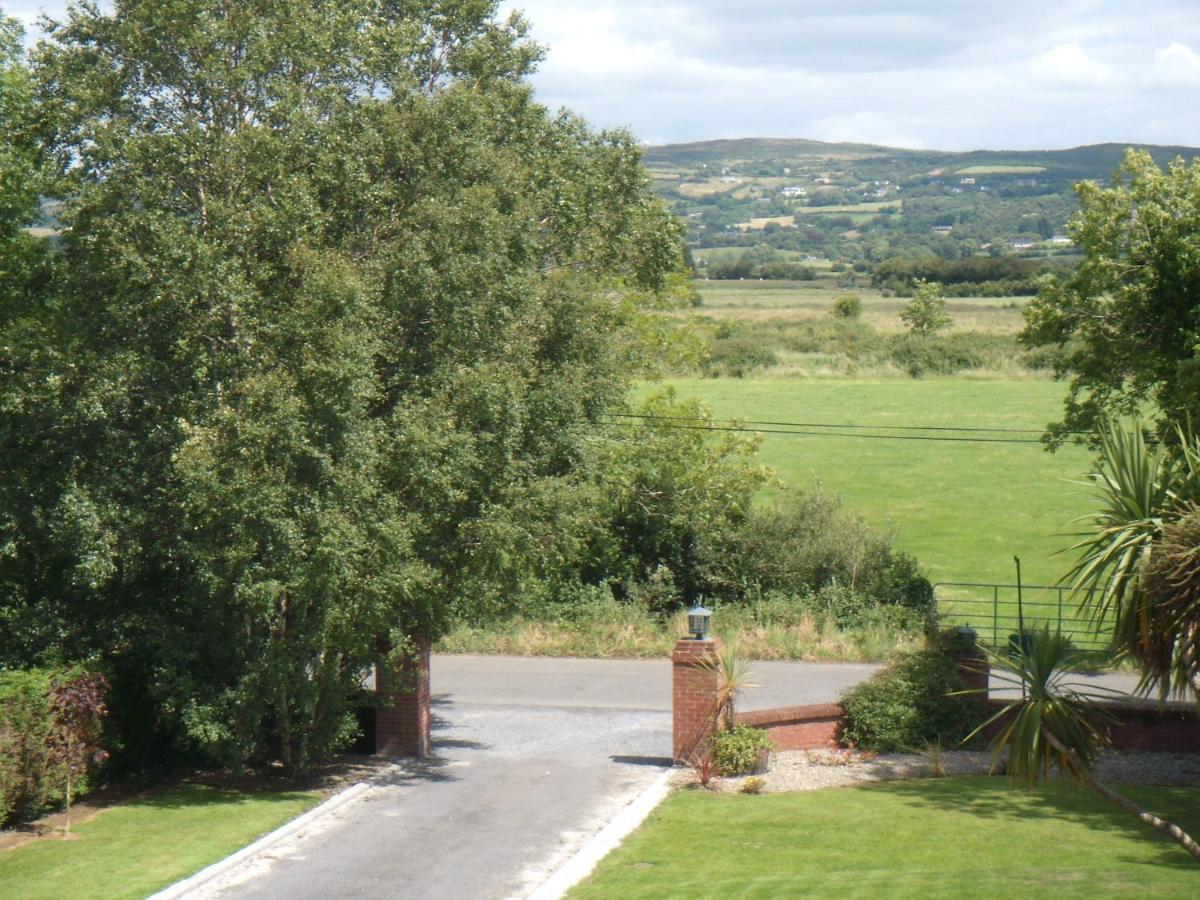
point(964, 509)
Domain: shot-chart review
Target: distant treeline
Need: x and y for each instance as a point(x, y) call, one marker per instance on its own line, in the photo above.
point(746, 266)
point(976, 276)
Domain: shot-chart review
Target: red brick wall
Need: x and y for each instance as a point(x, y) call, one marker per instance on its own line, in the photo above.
point(402, 716)
point(1173, 729)
point(814, 727)
point(693, 697)
point(974, 668)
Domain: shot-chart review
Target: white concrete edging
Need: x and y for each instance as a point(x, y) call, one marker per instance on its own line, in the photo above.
point(579, 866)
point(286, 830)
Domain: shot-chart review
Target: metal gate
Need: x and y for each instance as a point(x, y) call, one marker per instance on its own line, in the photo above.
point(992, 610)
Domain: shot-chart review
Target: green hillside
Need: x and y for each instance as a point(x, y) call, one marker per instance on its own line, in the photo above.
point(862, 204)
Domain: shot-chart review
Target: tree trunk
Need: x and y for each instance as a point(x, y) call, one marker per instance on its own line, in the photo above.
point(1084, 772)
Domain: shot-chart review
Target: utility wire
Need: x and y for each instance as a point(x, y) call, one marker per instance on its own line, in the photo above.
point(837, 424)
point(877, 437)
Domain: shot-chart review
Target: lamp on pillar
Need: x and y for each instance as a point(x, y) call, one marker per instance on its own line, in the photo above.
point(698, 621)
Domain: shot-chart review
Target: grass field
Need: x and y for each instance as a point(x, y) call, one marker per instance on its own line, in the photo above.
point(1001, 170)
point(938, 838)
point(758, 300)
point(140, 847)
point(873, 206)
point(963, 509)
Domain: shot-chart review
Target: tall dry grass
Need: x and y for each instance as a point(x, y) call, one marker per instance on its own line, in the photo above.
point(624, 632)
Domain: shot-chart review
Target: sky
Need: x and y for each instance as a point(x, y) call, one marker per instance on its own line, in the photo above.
point(937, 74)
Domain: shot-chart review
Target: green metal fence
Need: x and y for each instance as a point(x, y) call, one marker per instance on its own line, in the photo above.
point(993, 611)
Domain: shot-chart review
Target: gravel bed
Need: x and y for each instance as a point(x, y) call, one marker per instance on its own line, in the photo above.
point(809, 770)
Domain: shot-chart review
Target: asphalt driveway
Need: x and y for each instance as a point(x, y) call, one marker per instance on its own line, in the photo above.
point(531, 757)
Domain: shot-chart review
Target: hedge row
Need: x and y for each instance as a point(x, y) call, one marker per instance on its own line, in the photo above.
point(37, 711)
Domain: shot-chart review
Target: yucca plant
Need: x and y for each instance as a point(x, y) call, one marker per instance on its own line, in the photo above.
point(1056, 725)
point(1142, 494)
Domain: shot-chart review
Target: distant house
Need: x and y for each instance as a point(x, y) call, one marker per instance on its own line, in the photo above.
point(1061, 239)
point(794, 190)
point(942, 229)
point(967, 180)
point(1023, 244)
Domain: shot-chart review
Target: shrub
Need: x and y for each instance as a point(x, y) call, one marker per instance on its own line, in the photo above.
point(739, 749)
point(807, 545)
point(907, 707)
point(753, 785)
point(847, 306)
point(933, 356)
point(738, 356)
point(36, 715)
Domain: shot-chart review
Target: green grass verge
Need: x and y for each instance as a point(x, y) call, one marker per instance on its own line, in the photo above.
point(964, 510)
point(951, 838)
point(140, 847)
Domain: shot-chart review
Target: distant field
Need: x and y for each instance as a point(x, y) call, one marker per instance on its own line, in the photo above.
point(760, 224)
point(875, 206)
point(758, 300)
point(1001, 170)
point(705, 188)
point(963, 509)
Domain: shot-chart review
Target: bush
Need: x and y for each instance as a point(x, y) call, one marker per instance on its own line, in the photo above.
point(738, 356)
point(906, 706)
point(808, 545)
point(33, 764)
point(847, 306)
point(739, 749)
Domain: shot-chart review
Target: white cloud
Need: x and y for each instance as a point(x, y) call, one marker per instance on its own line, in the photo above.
point(936, 73)
point(1176, 65)
point(1069, 65)
point(870, 127)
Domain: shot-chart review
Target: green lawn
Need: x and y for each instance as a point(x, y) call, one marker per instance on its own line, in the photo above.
point(944, 838)
point(142, 846)
point(964, 510)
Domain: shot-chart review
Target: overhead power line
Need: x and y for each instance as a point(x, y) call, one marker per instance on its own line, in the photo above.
point(851, 434)
point(954, 428)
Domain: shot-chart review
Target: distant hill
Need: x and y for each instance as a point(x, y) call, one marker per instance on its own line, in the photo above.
point(863, 203)
point(1092, 157)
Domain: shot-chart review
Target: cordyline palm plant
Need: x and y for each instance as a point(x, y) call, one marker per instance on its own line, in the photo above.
point(1138, 569)
point(733, 676)
point(1055, 725)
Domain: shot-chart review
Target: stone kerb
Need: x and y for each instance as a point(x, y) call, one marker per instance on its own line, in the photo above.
point(402, 715)
point(695, 690)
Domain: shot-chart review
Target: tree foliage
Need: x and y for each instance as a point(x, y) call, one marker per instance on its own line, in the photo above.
point(334, 297)
point(925, 314)
point(1129, 317)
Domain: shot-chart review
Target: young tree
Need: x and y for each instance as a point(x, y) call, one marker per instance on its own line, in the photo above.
point(1129, 317)
point(335, 293)
point(926, 313)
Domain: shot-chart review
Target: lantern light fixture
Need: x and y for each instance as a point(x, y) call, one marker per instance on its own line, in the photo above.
point(698, 621)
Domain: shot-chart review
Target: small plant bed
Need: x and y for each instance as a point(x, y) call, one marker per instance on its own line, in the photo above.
point(123, 844)
point(946, 837)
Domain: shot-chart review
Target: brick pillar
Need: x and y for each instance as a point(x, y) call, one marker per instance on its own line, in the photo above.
point(402, 713)
point(972, 665)
point(693, 697)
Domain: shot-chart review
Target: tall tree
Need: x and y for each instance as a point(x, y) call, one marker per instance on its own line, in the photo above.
point(1128, 319)
point(335, 292)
